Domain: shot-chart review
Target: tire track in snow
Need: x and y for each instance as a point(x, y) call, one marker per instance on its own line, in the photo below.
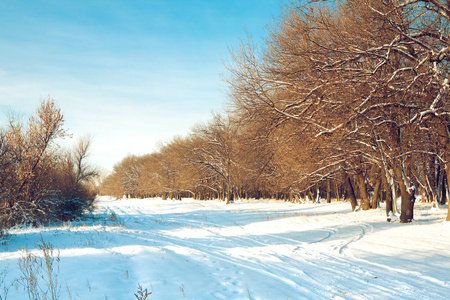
point(216, 254)
point(330, 256)
point(347, 261)
point(282, 272)
point(286, 274)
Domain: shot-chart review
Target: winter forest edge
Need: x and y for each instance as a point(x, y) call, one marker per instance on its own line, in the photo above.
point(344, 100)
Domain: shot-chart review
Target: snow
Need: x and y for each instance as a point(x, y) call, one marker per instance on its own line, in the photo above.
point(246, 250)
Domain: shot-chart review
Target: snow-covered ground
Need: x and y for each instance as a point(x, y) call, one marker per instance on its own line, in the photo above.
point(245, 250)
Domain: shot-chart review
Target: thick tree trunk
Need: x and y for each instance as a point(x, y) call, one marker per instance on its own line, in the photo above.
point(338, 197)
point(423, 193)
point(444, 188)
point(444, 139)
point(350, 191)
point(439, 184)
point(311, 197)
point(432, 178)
point(328, 191)
point(447, 173)
point(228, 193)
point(222, 193)
point(387, 192)
point(389, 204)
point(365, 205)
point(407, 195)
point(375, 193)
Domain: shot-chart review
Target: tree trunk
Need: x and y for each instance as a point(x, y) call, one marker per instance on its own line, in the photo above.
point(432, 178)
point(447, 169)
point(338, 197)
point(350, 191)
point(389, 204)
point(439, 184)
point(444, 139)
point(363, 190)
point(447, 173)
point(423, 193)
point(317, 194)
point(393, 190)
point(228, 193)
point(376, 190)
point(407, 195)
point(328, 191)
point(444, 188)
point(311, 197)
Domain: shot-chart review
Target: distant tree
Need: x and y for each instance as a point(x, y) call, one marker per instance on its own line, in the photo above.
point(215, 153)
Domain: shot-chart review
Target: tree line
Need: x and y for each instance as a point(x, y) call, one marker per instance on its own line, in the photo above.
point(343, 99)
point(39, 180)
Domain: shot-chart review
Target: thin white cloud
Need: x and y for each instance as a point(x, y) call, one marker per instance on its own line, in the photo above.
point(129, 73)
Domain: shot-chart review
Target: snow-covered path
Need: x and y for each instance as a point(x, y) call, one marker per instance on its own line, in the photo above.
point(250, 249)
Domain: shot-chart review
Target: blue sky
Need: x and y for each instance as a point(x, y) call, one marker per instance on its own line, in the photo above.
point(130, 73)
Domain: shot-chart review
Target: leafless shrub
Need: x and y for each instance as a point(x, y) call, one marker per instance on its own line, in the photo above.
point(5, 287)
point(38, 181)
point(141, 293)
point(40, 274)
point(30, 266)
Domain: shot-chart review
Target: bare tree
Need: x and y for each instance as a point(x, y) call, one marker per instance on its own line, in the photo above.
point(359, 68)
point(33, 181)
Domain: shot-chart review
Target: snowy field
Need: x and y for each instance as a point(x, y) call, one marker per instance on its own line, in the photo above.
point(246, 250)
